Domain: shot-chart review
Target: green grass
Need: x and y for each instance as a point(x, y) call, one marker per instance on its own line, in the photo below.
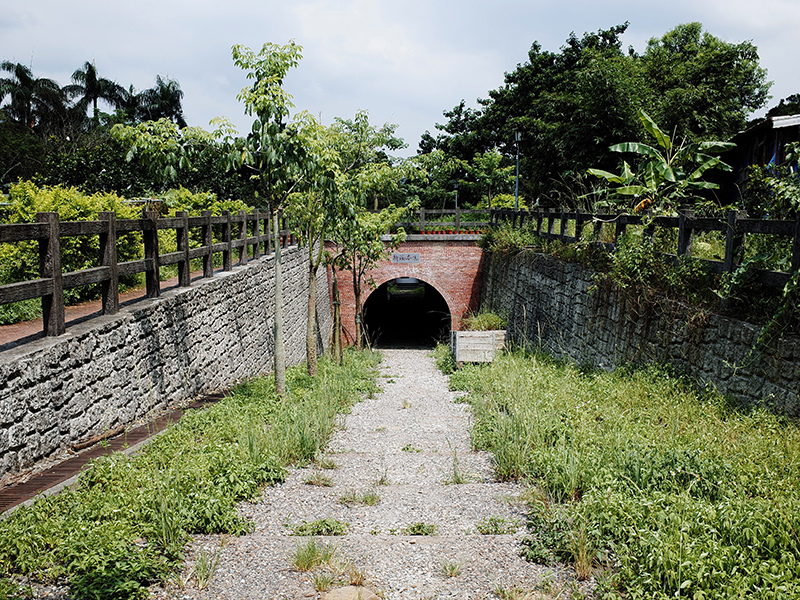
point(419, 528)
point(670, 491)
point(320, 527)
point(125, 523)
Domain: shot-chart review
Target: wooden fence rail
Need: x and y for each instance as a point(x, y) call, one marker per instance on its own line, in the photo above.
point(247, 242)
point(568, 226)
point(437, 220)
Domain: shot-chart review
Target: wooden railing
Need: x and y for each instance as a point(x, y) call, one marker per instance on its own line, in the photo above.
point(569, 226)
point(450, 220)
point(247, 241)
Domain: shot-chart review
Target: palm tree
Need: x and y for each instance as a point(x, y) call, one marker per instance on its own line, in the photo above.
point(164, 101)
point(32, 100)
point(92, 88)
point(132, 104)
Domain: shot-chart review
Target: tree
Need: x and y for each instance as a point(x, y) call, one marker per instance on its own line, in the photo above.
point(314, 212)
point(90, 88)
point(278, 152)
point(365, 175)
point(701, 87)
point(489, 176)
point(33, 101)
point(787, 106)
point(162, 147)
point(570, 106)
point(667, 176)
point(162, 101)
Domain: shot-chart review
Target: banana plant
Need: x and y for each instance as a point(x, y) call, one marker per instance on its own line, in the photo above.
point(669, 174)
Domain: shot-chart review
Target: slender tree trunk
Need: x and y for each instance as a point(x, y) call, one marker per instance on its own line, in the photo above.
point(359, 320)
point(280, 348)
point(311, 325)
point(337, 319)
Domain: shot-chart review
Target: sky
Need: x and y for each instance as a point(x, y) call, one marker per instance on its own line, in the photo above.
point(403, 61)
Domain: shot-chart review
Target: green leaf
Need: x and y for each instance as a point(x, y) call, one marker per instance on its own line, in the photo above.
point(637, 148)
point(653, 129)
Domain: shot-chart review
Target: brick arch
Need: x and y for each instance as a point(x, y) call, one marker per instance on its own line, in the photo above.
point(451, 266)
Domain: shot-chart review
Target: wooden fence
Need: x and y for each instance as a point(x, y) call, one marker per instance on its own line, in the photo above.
point(247, 241)
point(569, 226)
point(450, 220)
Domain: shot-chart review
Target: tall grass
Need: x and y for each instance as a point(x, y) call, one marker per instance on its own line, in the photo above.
point(125, 523)
point(674, 491)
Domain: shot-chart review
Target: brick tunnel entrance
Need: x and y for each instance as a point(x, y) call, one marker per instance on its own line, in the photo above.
point(406, 312)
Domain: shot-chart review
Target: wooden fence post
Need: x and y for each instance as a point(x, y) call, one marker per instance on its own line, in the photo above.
point(551, 223)
point(685, 232)
point(562, 228)
point(597, 226)
point(150, 235)
point(227, 261)
point(458, 220)
point(108, 258)
point(257, 234)
point(620, 227)
point(734, 241)
point(50, 268)
point(208, 240)
point(796, 243)
point(182, 236)
point(580, 223)
point(243, 238)
point(422, 220)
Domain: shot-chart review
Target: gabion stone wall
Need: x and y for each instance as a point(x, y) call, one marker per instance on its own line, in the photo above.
point(113, 370)
point(549, 305)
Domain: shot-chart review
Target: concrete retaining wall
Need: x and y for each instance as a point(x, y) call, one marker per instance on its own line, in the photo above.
point(549, 306)
point(113, 370)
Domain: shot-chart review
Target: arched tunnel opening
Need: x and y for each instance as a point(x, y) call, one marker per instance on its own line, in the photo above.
point(406, 312)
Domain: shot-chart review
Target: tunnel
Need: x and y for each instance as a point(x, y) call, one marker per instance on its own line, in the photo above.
point(406, 313)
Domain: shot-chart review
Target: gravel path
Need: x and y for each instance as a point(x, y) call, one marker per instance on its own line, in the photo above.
point(404, 445)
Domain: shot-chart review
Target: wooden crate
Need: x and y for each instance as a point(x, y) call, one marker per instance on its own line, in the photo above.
point(477, 346)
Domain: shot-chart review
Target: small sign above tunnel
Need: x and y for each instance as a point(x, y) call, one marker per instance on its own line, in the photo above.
point(405, 258)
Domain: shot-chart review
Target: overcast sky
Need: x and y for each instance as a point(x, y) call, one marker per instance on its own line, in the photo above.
point(405, 61)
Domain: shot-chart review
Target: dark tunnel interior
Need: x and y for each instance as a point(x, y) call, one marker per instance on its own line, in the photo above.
point(406, 313)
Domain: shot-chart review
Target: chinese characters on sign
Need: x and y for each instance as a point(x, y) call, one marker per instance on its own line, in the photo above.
point(405, 258)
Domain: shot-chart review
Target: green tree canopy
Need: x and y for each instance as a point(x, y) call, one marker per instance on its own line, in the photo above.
point(571, 106)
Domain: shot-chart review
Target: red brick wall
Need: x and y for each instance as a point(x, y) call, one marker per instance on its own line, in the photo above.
point(452, 267)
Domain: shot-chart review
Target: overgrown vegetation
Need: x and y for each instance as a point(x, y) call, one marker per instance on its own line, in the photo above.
point(661, 490)
point(125, 523)
point(484, 321)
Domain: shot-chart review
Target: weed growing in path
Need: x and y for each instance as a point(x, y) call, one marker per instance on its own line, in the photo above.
point(320, 527)
point(312, 553)
point(452, 568)
point(497, 526)
point(353, 498)
point(419, 528)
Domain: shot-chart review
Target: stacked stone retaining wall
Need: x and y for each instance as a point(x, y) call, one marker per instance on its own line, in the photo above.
point(114, 370)
point(550, 305)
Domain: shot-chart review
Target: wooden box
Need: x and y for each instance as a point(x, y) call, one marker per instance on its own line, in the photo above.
point(477, 346)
